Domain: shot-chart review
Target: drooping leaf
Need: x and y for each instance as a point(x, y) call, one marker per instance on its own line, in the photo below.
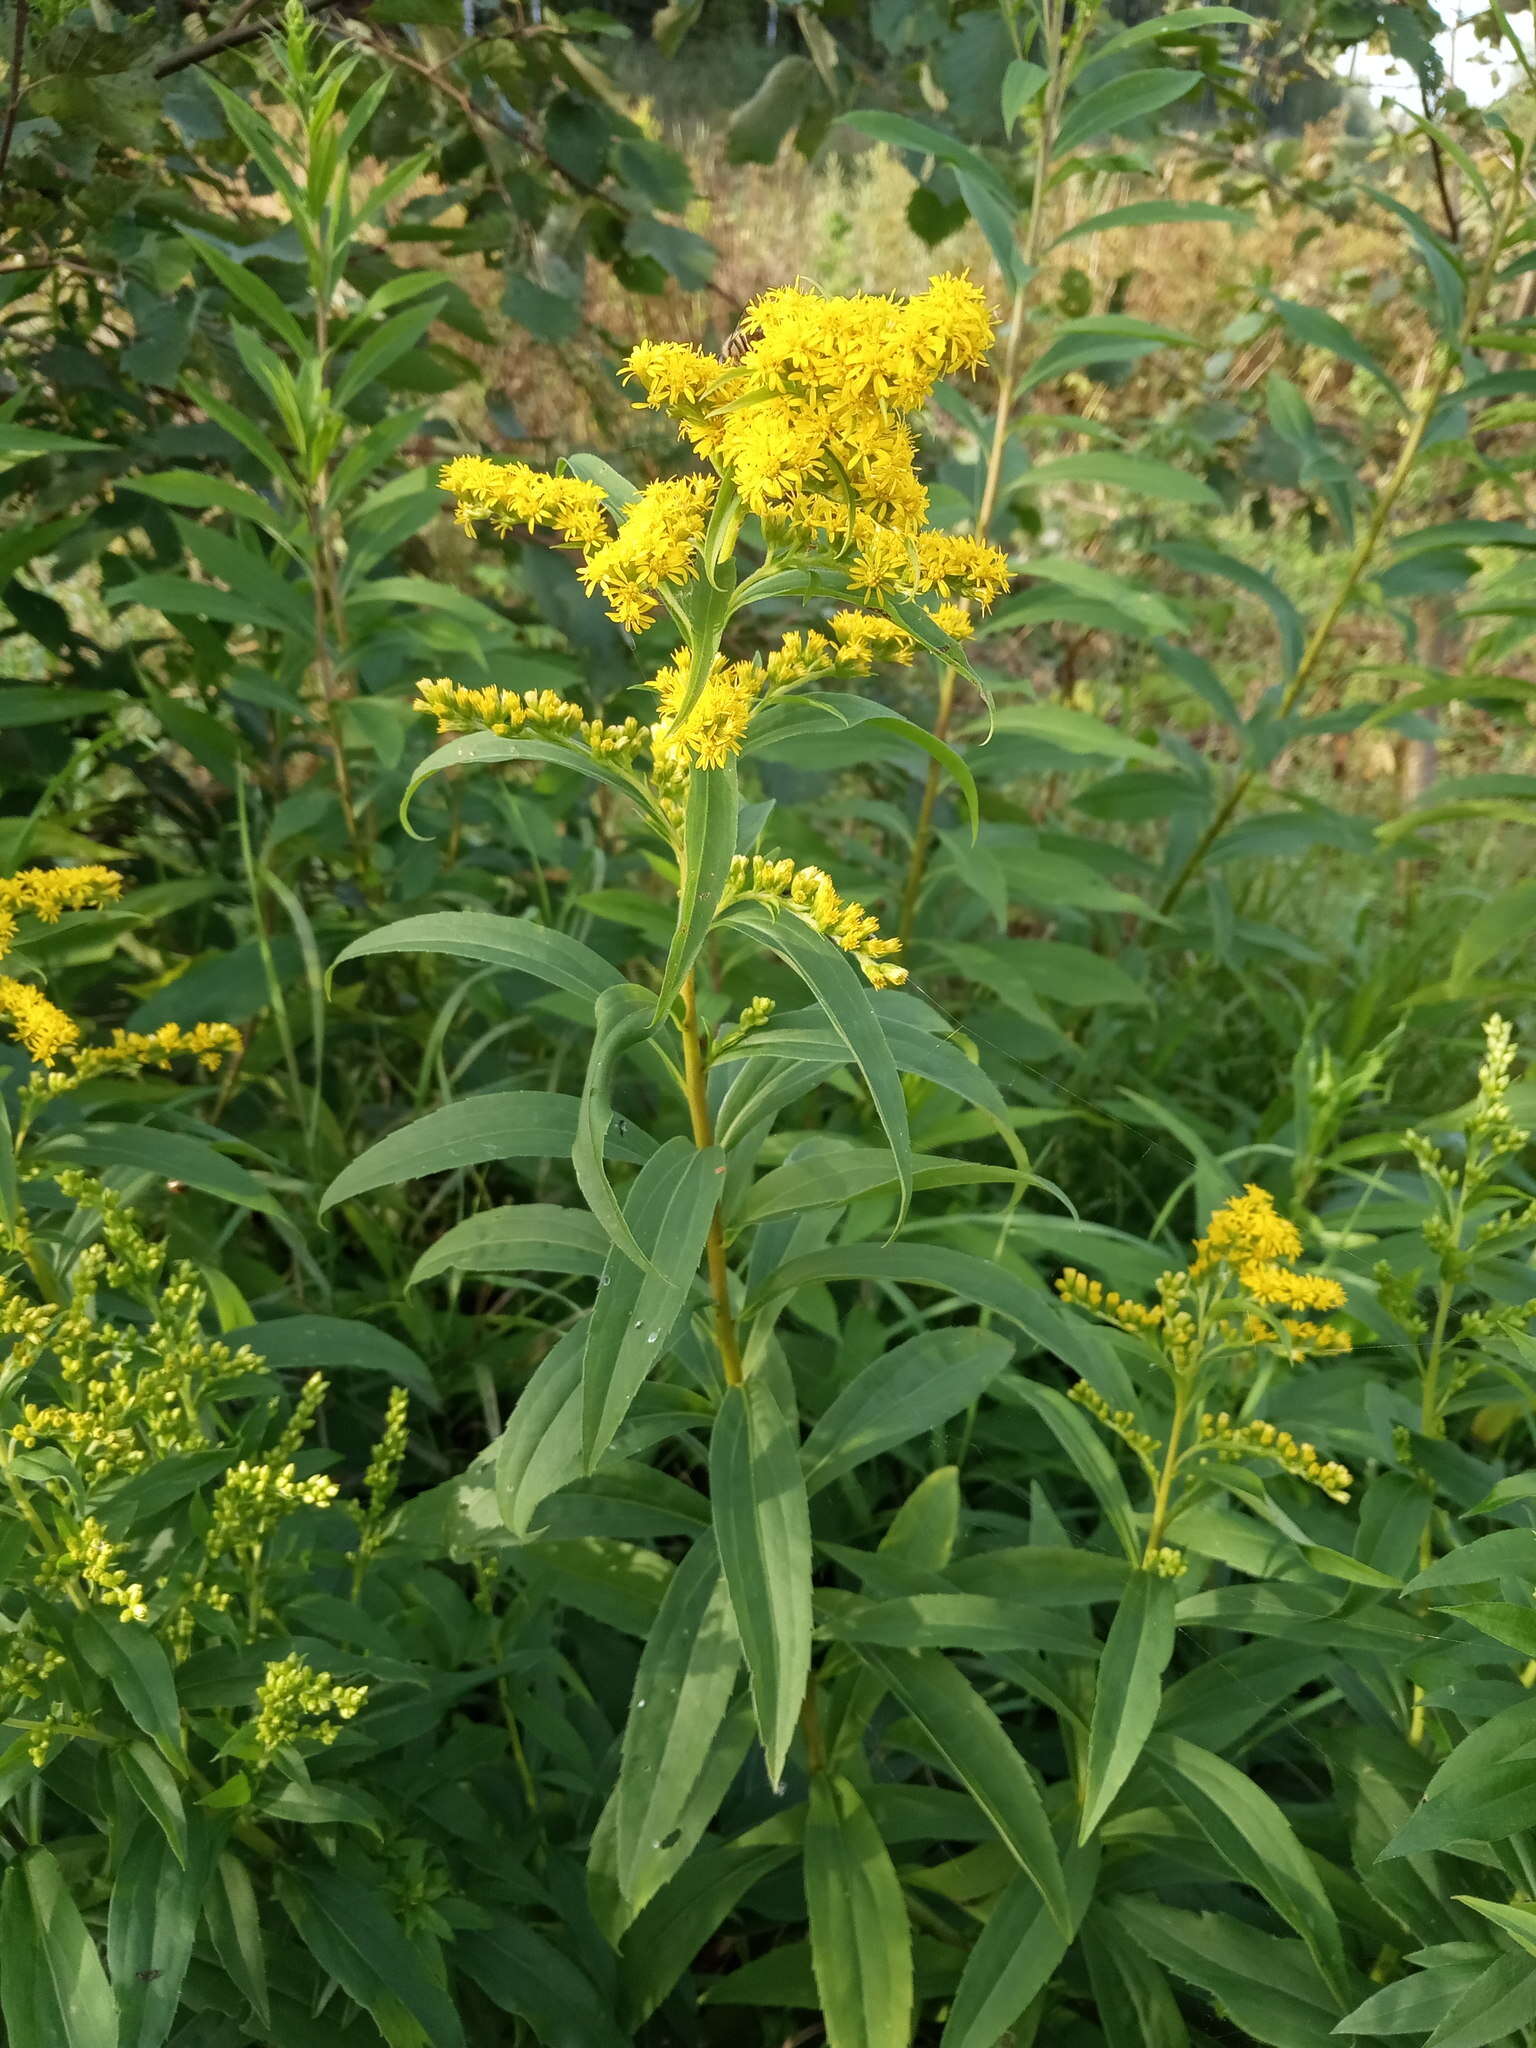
point(518, 944)
point(763, 1528)
point(509, 1123)
point(682, 1689)
point(861, 1942)
point(668, 1211)
point(977, 1751)
point(1127, 1692)
point(912, 1388)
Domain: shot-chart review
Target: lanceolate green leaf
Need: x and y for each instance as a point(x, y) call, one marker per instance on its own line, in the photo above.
point(682, 1690)
point(539, 1451)
point(764, 1532)
point(529, 1237)
point(666, 1937)
point(508, 1124)
point(623, 1018)
point(53, 1990)
point(1124, 101)
point(844, 1173)
point(1127, 1693)
point(972, 1280)
point(668, 1211)
point(151, 1928)
point(480, 749)
point(1248, 1830)
point(848, 1007)
point(1016, 1955)
point(353, 1936)
point(904, 1392)
point(517, 944)
point(977, 1751)
point(709, 846)
point(861, 1942)
point(1142, 213)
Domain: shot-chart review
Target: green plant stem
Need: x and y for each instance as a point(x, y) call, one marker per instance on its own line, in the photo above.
point(695, 1086)
point(1162, 1499)
point(1365, 548)
point(1007, 382)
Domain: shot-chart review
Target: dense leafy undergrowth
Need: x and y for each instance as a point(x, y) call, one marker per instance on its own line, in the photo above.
point(767, 1230)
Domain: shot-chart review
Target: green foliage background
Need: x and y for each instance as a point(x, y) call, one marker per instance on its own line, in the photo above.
point(1222, 890)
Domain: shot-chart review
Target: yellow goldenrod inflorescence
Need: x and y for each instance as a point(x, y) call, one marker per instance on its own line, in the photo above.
point(510, 494)
point(541, 714)
point(38, 1025)
point(1230, 1440)
point(295, 1700)
point(655, 547)
point(1122, 1421)
point(46, 893)
point(87, 1558)
point(255, 1496)
point(812, 410)
point(812, 895)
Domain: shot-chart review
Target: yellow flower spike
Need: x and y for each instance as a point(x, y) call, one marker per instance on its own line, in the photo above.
point(672, 374)
point(812, 895)
point(656, 545)
point(38, 1025)
point(954, 620)
point(48, 892)
point(459, 708)
point(510, 494)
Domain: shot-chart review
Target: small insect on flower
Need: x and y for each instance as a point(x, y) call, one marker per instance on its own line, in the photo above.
point(746, 334)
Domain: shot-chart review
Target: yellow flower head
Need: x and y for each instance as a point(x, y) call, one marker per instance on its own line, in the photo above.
point(811, 895)
point(510, 494)
point(1245, 1230)
point(656, 544)
point(713, 731)
point(48, 892)
point(1257, 1245)
point(809, 418)
point(36, 1023)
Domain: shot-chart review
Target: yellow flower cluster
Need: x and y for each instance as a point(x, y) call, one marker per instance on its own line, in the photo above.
point(655, 545)
point(1250, 1241)
point(1244, 1231)
point(38, 1025)
point(1255, 1244)
point(132, 1051)
point(542, 714)
point(713, 731)
point(809, 421)
point(814, 404)
point(510, 494)
point(254, 1498)
point(811, 894)
point(655, 548)
point(294, 1699)
point(48, 892)
point(87, 1557)
point(1122, 1421)
point(716, 727)
point(858, 642)
point(885, 560)
point(1231, 1441)
point(132, 1397)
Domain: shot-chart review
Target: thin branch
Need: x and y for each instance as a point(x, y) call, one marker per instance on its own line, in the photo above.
point(236, 34)
point(13, 103)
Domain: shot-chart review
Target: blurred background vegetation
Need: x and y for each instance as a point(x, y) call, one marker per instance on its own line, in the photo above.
point(1255, 778)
